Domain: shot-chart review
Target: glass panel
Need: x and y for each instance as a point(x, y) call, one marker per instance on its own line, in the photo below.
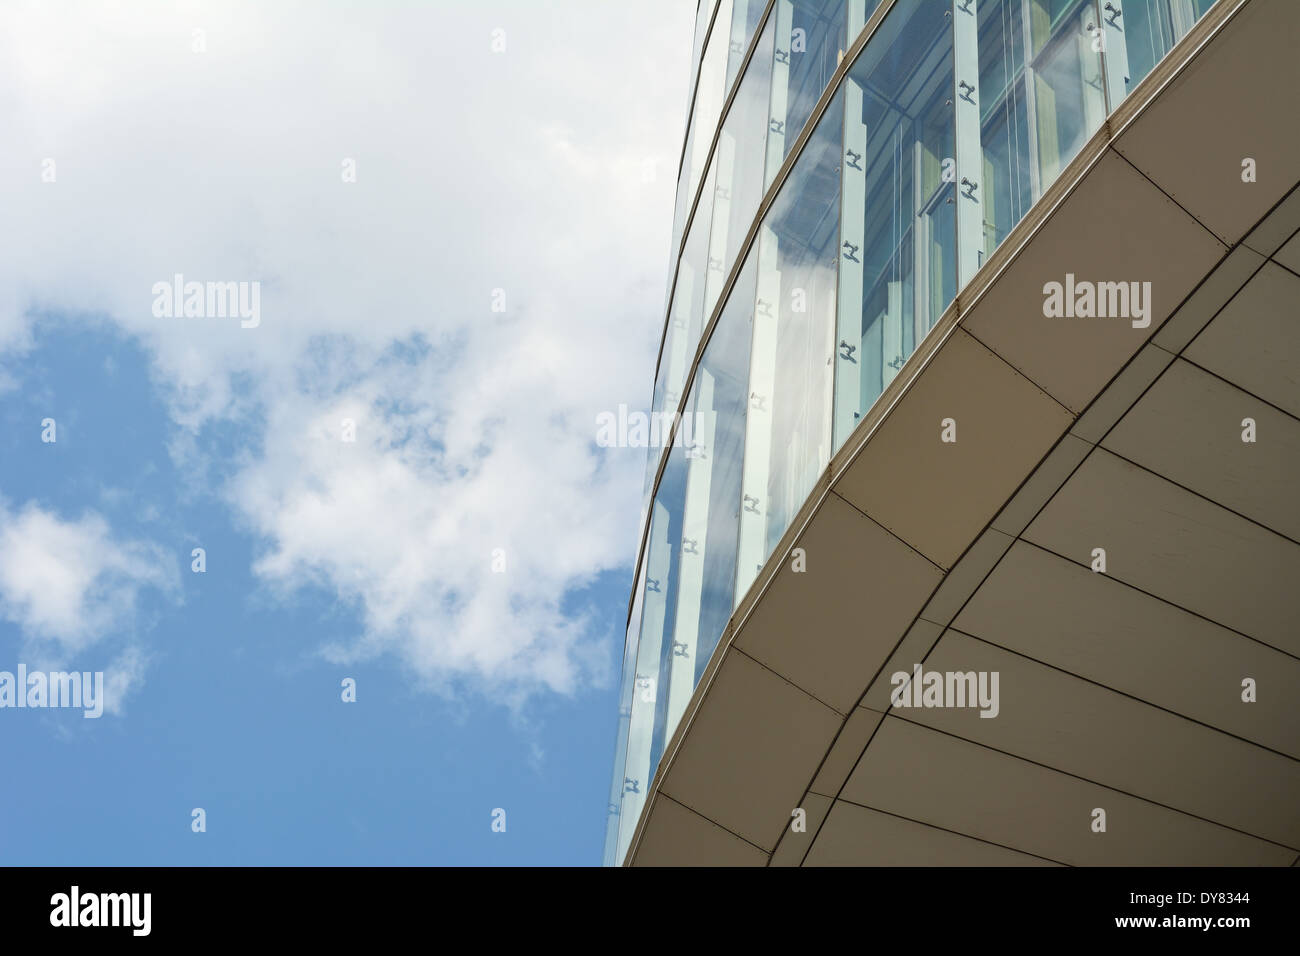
point(659, 600)
point(702, 13)
point(647, 484)
point(1068, 103)
point(858, 13)
point(739, 161)
point(712, 444)
point(1005, 176)
point(708, 107)
point(679, 212)
point(1039, 97)
point(1138, 33)
point(809, 44)
point(685, 318)
point(787, 432)
point(618, 783)
point(744, 21)
point(898, 246)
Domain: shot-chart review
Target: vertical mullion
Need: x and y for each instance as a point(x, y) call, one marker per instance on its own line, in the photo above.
point(1114, 51)
point(853, 192)
point(968, 188)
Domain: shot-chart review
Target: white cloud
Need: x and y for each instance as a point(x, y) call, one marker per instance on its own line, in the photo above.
point(69, 581)
point(476, 171)
point(123, 676)
point(406, 519)
point(69, 586)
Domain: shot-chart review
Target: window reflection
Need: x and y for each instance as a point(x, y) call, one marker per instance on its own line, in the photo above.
point(686, 316)
point(702, 14)
point(858, 13)
point(703, 11)
point(619, 781)
point(744, 21)
point(809, 43)
point(739, 160)
point(1138, 34)
point(1040, 98)
point(898, 248)
point(810, 40)
point(1065, 75)
point(787, 435)
point(709, 94)
point(713, 443)
point(659, 601)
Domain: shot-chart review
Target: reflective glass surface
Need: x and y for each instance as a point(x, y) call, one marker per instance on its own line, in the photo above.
point(709, 95)
point(619, 781)
point(745, 15)
point(738, 188)
point(898, 262)
point(703, 11)
point(858, 12)
point(788, 436)
point(1037, 99)
point(713, 436)
point(658, 606)
point(686, 315)
point(1138, 33)
point(810, 40)
point(702, 15)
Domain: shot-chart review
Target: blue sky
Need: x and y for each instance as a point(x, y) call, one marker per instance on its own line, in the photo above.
point(475, 428)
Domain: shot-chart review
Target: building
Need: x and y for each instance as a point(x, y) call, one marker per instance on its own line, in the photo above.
point(984, 544)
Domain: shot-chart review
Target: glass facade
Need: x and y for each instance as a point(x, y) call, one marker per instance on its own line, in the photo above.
point(710, 453)
point(821, 246)
point(897, 268)
point(685, 313)
point(787, 439)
